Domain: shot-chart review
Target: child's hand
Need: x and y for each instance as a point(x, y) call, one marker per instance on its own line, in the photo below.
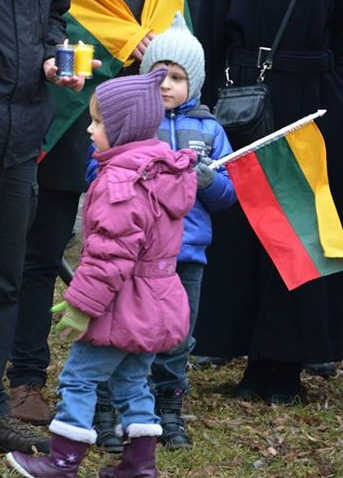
point(205, 175)
point(74, 323)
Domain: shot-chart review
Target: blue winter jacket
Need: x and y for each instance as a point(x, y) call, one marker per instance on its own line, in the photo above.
point(191, 125)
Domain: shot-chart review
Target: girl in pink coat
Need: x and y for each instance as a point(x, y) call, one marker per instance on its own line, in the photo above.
point(125, 300)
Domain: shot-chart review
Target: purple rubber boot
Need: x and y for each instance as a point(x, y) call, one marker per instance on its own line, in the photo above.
point(138, 460)
point(63, 461)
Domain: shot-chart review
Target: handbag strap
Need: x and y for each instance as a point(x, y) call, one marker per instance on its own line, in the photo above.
point(268, 62)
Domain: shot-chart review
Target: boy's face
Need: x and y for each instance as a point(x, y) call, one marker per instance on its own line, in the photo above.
point(174, 88)
point(97, 131)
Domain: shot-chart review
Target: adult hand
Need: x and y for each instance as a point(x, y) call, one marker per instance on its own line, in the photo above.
point(75, 82)
point(139, 51)
point(74, 323)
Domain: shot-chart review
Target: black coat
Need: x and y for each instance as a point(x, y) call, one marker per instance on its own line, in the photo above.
point(64, 167)
point(250, 308)
point(29, 31)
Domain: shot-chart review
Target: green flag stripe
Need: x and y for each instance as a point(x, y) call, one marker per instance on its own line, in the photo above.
point(187, 15)
point(296, 199)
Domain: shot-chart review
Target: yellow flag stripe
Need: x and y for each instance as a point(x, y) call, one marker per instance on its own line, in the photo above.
point(114, 25)
point(308, 147)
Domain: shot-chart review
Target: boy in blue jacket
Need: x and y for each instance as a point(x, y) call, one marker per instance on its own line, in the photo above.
point(187, 124)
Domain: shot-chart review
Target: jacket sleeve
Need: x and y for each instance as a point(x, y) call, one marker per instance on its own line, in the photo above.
point(337, 36)
point(220, 194)
point(91, 166)
point(109, 253)
point(56, 31)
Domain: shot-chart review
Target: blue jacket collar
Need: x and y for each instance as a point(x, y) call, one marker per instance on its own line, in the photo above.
point(192, 108)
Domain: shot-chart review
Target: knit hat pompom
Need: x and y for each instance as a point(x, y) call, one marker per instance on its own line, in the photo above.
point(178, 45)
point(131, 106)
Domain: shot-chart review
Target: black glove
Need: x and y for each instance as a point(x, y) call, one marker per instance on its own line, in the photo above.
point(205, 175)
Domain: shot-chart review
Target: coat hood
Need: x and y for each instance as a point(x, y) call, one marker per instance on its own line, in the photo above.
point(167, 175)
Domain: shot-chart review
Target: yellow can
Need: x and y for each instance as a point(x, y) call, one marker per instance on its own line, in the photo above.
point(83, 56)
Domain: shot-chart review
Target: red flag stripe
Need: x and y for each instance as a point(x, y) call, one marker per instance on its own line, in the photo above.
point(277, 235)
point(41, 157)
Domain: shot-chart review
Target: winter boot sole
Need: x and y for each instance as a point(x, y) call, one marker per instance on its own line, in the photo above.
point(31, 421)
point(12, 464)
point(177, 446)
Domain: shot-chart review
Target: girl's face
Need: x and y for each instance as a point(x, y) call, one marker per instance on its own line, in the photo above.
point(174, 88)
point(97, 130)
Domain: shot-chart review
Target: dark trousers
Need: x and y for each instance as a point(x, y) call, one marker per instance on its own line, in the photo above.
point(18, 197)
point(46, 242)
point(168, 371)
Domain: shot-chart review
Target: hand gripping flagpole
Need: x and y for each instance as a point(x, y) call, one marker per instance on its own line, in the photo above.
point(266, 139)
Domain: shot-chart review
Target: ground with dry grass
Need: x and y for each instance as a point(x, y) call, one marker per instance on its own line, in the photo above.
point(237, 439)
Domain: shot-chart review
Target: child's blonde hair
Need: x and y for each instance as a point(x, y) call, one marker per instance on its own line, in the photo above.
point(94, 107)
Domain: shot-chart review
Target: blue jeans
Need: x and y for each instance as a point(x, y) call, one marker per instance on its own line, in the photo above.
point(169, 369)
point(126, 375)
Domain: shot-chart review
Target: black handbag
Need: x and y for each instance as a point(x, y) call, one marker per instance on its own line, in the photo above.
point(246, 112)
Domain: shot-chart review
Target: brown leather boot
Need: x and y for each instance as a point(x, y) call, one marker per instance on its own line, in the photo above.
point(27, 404)
point(15, 435)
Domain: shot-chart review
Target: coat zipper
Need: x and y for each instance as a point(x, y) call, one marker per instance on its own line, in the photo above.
point(173, 141)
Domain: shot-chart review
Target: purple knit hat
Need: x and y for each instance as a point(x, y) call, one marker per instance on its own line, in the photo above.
point(131, 106)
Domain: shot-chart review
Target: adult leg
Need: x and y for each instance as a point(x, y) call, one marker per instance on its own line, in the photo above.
point(169, 369)
point(18, 195)
point(30, 355)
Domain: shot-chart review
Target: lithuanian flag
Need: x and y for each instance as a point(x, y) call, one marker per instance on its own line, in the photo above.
point(113, 30)
point(284, 191)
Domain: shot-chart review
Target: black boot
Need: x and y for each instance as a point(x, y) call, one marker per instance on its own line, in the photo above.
point(255, 381)
point(15, 435)
point(285, 388)
point(168, 407)
point(324, 369)
point(204, 361)
point(104, 424)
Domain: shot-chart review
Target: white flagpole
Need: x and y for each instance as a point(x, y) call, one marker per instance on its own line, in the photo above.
point(266, 139)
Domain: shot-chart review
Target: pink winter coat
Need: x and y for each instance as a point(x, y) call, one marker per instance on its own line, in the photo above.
point(132, 227)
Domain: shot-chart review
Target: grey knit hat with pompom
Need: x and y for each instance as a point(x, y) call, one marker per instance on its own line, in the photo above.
point(178, 45)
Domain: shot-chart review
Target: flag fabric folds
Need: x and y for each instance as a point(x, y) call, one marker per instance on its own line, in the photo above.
point(284, 191)
point(113, 30)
